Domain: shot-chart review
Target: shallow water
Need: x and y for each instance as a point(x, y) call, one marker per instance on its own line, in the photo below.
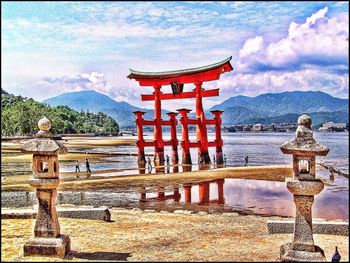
point(244, 196)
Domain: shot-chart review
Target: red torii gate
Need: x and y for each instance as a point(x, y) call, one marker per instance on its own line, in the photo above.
point(177, 79)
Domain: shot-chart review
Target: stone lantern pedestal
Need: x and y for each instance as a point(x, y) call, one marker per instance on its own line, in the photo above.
point(304, 187)
point(47, 241)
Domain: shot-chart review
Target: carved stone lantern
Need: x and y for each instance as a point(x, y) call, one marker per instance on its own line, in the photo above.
point(47, 241)
point(304, 187)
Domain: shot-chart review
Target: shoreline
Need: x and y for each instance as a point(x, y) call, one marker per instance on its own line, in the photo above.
point(267, 173)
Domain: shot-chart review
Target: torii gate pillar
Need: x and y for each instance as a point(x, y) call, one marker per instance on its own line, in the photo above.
point(159, 144)
point(201, 130)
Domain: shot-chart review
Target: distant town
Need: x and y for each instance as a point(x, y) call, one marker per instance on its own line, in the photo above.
point(273, 127)
point(285, 127)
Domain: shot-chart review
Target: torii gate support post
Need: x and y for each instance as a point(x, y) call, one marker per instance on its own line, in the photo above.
point(218, 140)
point(221, 198)
point(159, 147)
point(187, 191)
point(140, 141)
point(204, 193)
point(174, 141)
point(201, 130)
point(186, 156)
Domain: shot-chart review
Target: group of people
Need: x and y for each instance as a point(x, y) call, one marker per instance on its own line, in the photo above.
point(149, 162)
point(87, 165)
point(200, 159)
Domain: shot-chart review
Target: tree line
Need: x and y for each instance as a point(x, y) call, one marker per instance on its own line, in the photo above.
point(20, 115)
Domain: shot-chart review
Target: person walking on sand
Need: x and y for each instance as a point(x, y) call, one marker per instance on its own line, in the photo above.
point(167, 160)
point(246, 160)
point(167, 163)
point(87, 166)
point(149, 164)
point(224, 159)
point(214, 160)
point(77, 169)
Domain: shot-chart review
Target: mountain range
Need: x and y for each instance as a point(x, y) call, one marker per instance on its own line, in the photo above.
point(283, 107)
point(265, 108)
point(94, 102)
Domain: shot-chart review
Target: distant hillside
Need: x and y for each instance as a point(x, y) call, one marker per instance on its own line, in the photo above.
point(20, 116)
point(94, 102)
point(276, 104)
point(283, 107)
point(317, 118)
point(237, 115)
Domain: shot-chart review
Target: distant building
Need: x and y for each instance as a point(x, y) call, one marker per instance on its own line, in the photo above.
point(257, 127)
point(247, 128)
point(331, 126)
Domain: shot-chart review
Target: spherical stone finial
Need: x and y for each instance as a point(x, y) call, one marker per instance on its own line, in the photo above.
point(305, 120)
point(44, 124)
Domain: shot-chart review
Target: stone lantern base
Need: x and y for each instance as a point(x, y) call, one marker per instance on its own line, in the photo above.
point(287, 253)
point(49, 247)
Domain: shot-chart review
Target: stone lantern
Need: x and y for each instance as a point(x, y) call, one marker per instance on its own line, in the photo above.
point(303, 186)
point(47, 239)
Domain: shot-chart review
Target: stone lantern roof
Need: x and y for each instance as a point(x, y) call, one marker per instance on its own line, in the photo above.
point(43, 143)
point(304, 143)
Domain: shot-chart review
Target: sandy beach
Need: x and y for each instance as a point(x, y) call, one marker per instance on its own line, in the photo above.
point(136, 235)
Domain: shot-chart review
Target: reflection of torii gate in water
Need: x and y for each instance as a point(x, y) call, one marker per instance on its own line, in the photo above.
point(203, 193)
point(177, 79)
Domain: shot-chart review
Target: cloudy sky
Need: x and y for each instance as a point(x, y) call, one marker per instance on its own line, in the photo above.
point(49, 48)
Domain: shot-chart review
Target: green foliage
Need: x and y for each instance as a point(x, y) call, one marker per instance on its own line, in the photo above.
point(19, 116)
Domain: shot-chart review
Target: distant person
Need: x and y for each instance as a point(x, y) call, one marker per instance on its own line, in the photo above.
point(224, 159)
point(77, 169)
point(246, 160)
point(167, 164)
point(149, 164)
point(167, 160)
point(336, 257)
point(87, 166)
point(214, 160)
point(200, 159)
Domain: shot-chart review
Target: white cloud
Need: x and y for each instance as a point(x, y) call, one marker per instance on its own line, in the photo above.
point(251, 84)
point(320, 40)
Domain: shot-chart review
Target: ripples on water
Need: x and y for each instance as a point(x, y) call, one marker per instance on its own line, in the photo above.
point(246, 196)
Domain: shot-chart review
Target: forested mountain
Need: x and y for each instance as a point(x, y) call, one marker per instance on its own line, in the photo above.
point(96, 102)
point(283, 107)
point(19, 116)
point(275, 104)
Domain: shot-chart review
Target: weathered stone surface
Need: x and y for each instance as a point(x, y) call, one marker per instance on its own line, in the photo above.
point(50, 247)
point(47, 241)
point(288, 254)
point(84, 213)
point(44, 184)
point(298, 187)
point(43, 146)
point(329, 228)
point(304, 143)
point(304, 187)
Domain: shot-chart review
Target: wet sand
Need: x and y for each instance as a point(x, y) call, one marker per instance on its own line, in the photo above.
point(155, 236)
point(269, 173)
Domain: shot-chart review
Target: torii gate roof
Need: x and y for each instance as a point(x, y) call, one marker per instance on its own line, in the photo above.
point(190, 75)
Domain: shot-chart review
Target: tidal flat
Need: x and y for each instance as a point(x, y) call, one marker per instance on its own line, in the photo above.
point(142, 201)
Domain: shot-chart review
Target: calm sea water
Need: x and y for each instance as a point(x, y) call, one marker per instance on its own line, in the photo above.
point(245, 196)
